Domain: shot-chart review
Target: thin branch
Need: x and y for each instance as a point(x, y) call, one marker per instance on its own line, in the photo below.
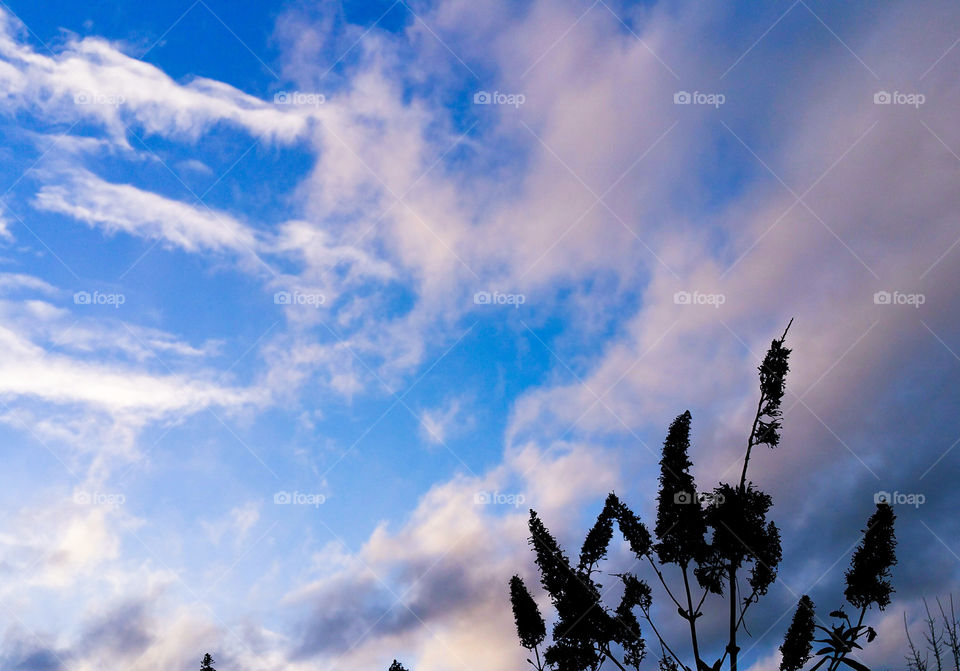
point(752, 599)
point(915, 664)
point(756, 420)
point(663, 643)
point(750, 443)
point(702, 599)
point(663, 582)
point(691, 618)
point(609, 655)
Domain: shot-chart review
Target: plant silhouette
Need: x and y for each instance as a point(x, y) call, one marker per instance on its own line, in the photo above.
point(942, 640)
point(797, 645)
point(207, 663)
point(709, 539)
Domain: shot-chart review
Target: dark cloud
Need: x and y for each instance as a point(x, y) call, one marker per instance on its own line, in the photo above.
point(359, 607)
point(122, 631)
point(25, 652)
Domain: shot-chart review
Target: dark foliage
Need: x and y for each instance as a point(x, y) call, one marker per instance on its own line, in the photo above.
point(586, 629)
point(632, 529)
point(741, 534)
point(680, 522)
point(526, 615)
point(598, 538)
point(868, 579)
point(773, 375)
point(718, 535)
point(798, 643)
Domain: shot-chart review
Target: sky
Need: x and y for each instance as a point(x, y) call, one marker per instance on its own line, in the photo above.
point(303, 305)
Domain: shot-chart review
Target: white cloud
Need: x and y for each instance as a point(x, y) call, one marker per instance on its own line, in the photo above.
point(126, 208)
point(237, 524)
point(439, 424)
point(91, 78)
point(602, 100)
point(28, 370)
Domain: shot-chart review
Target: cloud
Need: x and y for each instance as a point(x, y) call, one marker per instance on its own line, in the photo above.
point(12, 282)
point(123, 631)
point(436, 586)
point(59, 543)
point(93, 79)
point(22, 652)
point(93, 383)
point(128, 209)
point(872, 170)
point(30, 371)
point(237, 524)
point(439, 424)
point(600, 200)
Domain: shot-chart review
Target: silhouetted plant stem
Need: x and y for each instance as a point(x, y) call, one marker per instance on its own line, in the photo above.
point(663, 582)
point(609, 655)
point(691, 618)
point(752, 440)
point(750, 443)
point(840, 654)
point(753, 598)
point(732, 645)
point(702, 599)
point(947, 635)
point(914, 662)
point(663, 643)
point(768, 404)
point(935, 638)
point(953, 632)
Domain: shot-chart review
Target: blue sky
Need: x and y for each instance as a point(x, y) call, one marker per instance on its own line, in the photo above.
point(152, 164)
